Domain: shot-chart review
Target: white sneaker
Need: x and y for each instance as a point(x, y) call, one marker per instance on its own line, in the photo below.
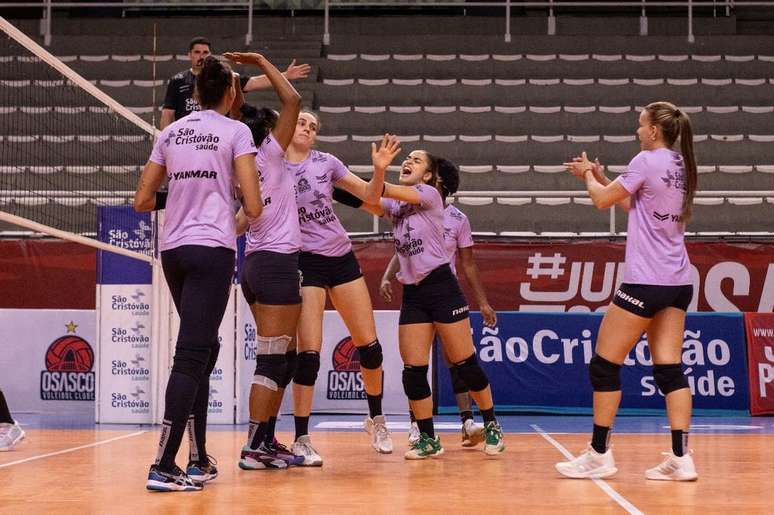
point(472, 433)
point(589, 464)
point(303, 447)
point(381, 440)
point(674, 468)
point(10, 435)
point(413, 435)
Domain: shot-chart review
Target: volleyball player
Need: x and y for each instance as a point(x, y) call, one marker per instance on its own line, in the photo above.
point(270, 277)
point(657, 188)
point(11, 432)
point(457, 237)
point(330, 268)
point(432, 301)
point(202, 155)
point(179, 100)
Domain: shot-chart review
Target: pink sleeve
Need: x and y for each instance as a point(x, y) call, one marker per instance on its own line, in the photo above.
point(464, 236)
point(387, 204)
point(269, 151)
point(243, 141)
point(634, 175)
point(157, 154)
point(429, 198)
point(338, 169)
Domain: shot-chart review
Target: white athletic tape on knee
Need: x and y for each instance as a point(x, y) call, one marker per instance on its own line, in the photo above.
point(265, 382)
point(272, 344)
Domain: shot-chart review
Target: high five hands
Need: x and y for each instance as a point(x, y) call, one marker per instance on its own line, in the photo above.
point(383, 155)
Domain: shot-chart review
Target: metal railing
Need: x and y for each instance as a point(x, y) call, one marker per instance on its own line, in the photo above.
point(47, 7)
point(551, 6)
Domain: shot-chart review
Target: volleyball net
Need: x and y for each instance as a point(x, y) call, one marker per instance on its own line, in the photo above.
point(66, 148)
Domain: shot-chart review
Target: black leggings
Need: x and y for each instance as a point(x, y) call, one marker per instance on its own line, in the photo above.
point(199, 280)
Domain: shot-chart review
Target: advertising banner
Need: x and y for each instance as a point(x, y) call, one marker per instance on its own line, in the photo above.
point(124, 318)
point(538, 362)
point(760, 355)
point(568, 276)
point(53, 370)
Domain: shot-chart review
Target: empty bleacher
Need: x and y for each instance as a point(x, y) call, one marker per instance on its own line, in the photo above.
point(509, 114)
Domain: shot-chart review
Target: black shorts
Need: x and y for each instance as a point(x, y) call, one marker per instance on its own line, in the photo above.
point(328, 271)
point(646, 300)
point(271, 278)
point(437, 298)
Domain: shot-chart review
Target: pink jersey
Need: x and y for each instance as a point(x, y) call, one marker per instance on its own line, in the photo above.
point(418, 231)
point(198, 152)
point(321, 230)
point(655, 246)
point(276, 230)
point(456, 234)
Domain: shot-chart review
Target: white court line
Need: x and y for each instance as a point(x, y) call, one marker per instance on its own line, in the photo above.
point(73, 449)
point(626, 505)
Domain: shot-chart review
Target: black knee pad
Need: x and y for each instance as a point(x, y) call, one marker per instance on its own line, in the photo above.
point(458, 385)
point(191, 361)
point(415, 382)
point(290, 357)
point(307, 367)
point(669, 377)
point(471, 373)
point(605, 376)
point(270, 370)
point(371, 355)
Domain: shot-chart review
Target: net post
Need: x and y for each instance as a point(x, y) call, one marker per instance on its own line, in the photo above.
point(249, 35)
point(327, 33)
point(47, 34)
point(508, 21)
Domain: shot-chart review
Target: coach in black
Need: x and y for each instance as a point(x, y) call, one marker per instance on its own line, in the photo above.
point(180, 101)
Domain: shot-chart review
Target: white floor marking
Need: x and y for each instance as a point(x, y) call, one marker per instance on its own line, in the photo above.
point(626, 505)
point(72, 449)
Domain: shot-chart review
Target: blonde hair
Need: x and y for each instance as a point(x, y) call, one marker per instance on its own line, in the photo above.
point(674, 125)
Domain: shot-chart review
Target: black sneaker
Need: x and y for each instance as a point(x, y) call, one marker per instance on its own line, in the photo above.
point(170, 481)
point(202, 470)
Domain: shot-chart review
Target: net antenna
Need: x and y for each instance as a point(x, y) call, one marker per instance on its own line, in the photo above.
point(66, 148)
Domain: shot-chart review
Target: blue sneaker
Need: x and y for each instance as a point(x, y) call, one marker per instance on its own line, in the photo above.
point(260, 459)
point(173, 481)
point(202, 471)
point(285, 454)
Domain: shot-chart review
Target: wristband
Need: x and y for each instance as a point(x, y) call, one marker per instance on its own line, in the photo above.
point(346, 198)
point(161, 200)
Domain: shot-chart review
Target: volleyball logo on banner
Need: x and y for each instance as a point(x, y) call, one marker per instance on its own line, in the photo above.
point(345, 381)
point(68, 375)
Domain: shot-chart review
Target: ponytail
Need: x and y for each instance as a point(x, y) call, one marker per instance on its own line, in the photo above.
point(676, 124)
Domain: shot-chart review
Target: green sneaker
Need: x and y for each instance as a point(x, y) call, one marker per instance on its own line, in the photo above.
point(494, 439)
point(425, 447)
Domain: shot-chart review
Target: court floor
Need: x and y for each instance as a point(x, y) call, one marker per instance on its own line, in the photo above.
point(67, 466)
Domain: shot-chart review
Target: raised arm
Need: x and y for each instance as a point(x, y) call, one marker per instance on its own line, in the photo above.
point(239, 100)
point(289, 97)
point(603, 196)
point(370, 192)
point(293, 72)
